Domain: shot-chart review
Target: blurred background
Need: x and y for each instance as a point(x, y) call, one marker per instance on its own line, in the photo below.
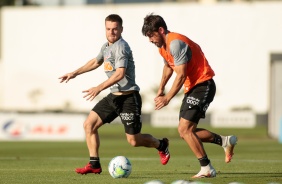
point(41, 40)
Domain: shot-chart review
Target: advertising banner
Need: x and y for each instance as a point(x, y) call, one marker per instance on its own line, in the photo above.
point(41, 127)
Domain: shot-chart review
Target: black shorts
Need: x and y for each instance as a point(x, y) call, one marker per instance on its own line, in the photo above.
point(127, 107)
point(197, 100)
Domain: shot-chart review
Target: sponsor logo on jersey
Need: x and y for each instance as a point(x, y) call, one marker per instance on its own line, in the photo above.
point(108, 66)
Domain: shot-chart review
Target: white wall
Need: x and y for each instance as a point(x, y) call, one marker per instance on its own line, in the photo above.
point(41, 44)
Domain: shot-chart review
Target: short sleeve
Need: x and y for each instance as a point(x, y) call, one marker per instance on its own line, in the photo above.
point(180, 51)
point(100, 56)
point(121, 56)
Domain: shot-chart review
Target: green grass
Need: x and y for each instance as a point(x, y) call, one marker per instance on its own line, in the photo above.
point(257, 159)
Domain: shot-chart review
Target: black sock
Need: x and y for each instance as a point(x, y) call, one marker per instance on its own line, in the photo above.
point(95, 162)
point(217, 139)
point(204, 161)
point(162, 146)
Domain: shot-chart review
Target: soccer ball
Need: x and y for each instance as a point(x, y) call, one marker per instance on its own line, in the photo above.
point(119, 167)
point(154, 182)
point(181, 182)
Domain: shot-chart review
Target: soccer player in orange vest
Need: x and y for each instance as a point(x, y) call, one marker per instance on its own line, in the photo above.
point(124, 99)
point(193, 72)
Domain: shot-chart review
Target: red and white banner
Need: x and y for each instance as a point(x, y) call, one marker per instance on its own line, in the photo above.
point(41, 127)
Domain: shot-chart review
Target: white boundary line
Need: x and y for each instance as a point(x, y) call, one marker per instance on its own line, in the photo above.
point(131, 158)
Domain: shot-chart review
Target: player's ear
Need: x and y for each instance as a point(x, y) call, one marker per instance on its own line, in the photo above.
point(161, 30)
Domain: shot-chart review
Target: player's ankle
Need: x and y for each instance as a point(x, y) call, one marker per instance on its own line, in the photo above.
point(162, 145)
point(95, 162)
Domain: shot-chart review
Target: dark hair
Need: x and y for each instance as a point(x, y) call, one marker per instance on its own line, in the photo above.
point(152, 23)
point(114, 18)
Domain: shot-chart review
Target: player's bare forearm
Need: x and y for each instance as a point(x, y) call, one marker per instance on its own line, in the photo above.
point(177, 85)
point(115, 78)
point(178, 81)
point(89, 66)
point(162, 101)
point(94, 91)
point(167, 73)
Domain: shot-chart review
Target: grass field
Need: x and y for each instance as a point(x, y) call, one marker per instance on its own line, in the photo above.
point(257, 159)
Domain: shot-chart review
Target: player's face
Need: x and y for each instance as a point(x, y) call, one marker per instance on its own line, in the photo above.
point(113, 31)
point(156, 38)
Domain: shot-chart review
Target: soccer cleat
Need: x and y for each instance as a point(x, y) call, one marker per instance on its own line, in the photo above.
point(88, 169)
point(206, 172)
point(230, 143)
point(164, 155)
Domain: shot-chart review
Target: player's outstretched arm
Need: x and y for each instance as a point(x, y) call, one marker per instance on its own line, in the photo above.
point(67, 77)
point(89, 66)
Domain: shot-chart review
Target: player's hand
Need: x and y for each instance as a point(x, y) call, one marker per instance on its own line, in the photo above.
point(159, 93)
point(160, 102)
point(91, 93)
point(67, 77)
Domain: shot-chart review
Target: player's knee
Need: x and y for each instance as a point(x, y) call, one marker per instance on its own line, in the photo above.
point(86, 125)
point(185, 130)
point(92, 123)
point(90, 127)
point(133, 142)
point(181, 131)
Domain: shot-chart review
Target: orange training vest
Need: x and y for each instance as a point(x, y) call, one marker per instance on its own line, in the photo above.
point(198, 68)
